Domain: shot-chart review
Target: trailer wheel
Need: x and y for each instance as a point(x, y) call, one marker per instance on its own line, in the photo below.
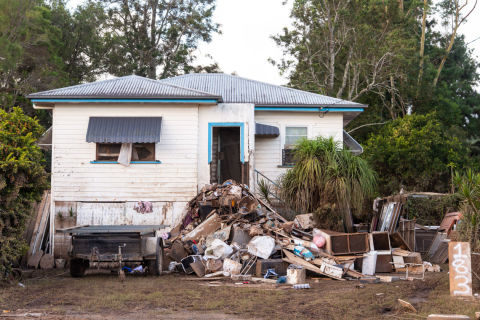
point(78, 267)
point(159, 257)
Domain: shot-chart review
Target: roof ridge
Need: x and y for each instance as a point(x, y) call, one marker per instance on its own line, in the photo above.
point(177, 86)
point(159, 82)
point(339, 100)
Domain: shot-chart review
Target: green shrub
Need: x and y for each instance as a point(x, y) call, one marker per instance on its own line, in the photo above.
point(468, 188)
point(416, 153)
point(22, 181)
point(430, 210)
point(327, 180)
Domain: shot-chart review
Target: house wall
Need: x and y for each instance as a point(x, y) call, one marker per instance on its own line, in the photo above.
point(268, 151)
point(106, 193)
point(225, 113)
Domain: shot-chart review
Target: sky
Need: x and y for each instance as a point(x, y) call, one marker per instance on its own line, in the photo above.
point(245, 44)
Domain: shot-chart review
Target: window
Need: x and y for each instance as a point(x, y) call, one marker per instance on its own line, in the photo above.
point(111, 151)
point(292, 136)
point(143, 152)
point(108, 151)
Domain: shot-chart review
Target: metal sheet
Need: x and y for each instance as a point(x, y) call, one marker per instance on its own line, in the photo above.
point(234, 89)
point(266, 130)
point(123, 87)
point(124, 129)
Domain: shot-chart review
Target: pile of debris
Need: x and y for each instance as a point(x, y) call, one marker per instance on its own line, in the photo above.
point(228, 231)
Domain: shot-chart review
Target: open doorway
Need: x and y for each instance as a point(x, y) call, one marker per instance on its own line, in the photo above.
point(226, 162)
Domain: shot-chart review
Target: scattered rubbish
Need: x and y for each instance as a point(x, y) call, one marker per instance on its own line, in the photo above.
point(447, 317)
point(407, 305)
point(270, 273)
point(303, 252)
point(227, 231)
point(218, 250)
point(261, 246)
point(301, 286)
point(231, 266)
point(295, 274)
point(282, 280)
point(143, 207)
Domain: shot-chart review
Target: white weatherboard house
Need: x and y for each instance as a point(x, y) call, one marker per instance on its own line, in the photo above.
point(130, 139)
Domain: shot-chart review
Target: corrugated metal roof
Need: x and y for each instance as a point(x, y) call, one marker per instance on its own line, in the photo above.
point(266, 130)
point(124, 87)
point(234, 89)
point(124, 129)
point(352, 144)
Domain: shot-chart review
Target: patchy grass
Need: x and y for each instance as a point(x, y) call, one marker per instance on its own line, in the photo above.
point(103, 296)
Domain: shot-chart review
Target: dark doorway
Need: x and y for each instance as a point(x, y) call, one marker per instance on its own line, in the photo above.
point(226, 155)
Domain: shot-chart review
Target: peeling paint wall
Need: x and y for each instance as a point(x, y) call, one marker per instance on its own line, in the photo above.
point(74, 178)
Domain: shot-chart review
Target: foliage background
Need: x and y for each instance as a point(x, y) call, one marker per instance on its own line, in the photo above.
point(22, 181)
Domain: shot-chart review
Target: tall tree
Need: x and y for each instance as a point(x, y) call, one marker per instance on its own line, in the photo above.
point(457, 11)
point(28, 50)
point(156, 38)
point(350, 49)
point(82, 40)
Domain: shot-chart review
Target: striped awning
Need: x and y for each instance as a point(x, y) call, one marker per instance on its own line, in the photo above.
point(124, 129)
point(264, 130)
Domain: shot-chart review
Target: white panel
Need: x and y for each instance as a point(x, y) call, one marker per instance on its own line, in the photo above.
point(74, 178)
point(98, 213)
point(268, 151)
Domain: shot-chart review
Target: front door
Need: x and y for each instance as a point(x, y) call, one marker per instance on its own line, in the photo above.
point(226, 162)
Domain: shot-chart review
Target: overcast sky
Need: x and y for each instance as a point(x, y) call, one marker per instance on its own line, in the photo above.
point(247, 26)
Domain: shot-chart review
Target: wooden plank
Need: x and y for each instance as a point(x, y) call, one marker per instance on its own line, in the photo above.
point(291, 258)
point(460, 268)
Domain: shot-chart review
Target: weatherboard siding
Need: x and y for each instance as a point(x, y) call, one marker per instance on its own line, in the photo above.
point(74, 178)
point(268, 151)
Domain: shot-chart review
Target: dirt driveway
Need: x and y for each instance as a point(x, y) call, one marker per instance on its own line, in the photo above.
point(55, 295)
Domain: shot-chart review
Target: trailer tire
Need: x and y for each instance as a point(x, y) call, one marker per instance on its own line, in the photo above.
point(159, 257)
point(78, 267)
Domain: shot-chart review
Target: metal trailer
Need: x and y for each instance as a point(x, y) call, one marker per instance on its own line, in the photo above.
point(115, 246)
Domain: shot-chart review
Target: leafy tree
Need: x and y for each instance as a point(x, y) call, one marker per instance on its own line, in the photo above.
point(22, 181)
point(416, 153)
point(328, 178)
point(29, 52)
point(156, 38)
point(82, 41)
point(350, 48)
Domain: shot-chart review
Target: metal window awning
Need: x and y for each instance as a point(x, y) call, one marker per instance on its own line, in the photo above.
point(352, 144)
point(124, 129)
point(263, 130)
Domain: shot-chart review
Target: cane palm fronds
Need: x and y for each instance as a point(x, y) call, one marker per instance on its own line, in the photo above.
point(326, 174)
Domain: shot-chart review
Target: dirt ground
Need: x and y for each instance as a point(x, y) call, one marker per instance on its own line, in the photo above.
point(55, 295)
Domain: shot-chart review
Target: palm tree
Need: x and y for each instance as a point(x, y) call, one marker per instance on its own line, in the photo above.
point(327, 176)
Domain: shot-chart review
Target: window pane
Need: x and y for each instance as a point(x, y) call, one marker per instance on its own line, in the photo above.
point(293, 135)
point(296, 131)
point(143, 152)
point(108, 151)
point(292, 140)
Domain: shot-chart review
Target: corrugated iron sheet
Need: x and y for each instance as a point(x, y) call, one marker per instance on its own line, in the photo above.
point(123, 87)
point(124, 129)
point(234, 89)
point(351, 143)
point(266, 130)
